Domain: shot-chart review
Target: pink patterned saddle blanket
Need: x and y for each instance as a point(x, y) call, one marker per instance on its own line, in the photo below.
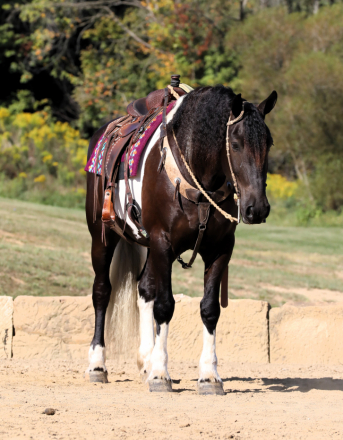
point(135, 151)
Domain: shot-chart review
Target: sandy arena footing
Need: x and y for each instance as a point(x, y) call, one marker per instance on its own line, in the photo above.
point(261, 402)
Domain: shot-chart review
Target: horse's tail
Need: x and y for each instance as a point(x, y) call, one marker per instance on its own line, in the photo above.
point(122, 320)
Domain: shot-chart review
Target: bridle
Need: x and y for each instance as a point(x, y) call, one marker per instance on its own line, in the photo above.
point(237, 195)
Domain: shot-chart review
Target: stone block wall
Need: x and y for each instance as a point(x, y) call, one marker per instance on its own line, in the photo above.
point(306, 334)
point(62, 328)
point(6, 327)
point(52, 327)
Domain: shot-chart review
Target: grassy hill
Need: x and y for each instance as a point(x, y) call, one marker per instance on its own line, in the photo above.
point(46, 251)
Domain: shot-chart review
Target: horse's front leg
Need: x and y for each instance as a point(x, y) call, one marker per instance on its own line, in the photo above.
point(146, 296)
point(209, 380)
point(156, 300)
point(101, 260)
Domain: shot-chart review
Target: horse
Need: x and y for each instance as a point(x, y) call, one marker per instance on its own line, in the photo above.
point(212, 151)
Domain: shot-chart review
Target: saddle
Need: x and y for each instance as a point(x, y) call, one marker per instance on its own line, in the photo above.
point(118, 139)
point(142, 106)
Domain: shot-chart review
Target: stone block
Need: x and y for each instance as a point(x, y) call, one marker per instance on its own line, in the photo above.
point(242, 331)
point(306, 334)
point(6, 327)
point(62, 328)
point(53, 327)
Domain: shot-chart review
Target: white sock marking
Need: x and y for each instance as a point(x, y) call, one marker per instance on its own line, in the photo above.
point(208, 359)
point(96, 358)
point(159, 356)
point(146, 328)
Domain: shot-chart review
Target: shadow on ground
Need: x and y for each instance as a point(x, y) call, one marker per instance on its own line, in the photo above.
point(288, 384)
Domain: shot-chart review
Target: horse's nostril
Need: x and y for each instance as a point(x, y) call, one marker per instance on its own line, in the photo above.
point(250, 211)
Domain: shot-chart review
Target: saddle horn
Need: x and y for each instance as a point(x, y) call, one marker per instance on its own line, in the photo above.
point(175, 80)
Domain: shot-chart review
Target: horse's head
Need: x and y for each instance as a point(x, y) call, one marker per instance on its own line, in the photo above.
point(200, 126)
point(249, 144)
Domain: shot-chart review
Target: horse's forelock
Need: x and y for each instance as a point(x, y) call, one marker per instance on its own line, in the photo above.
point(256, 134)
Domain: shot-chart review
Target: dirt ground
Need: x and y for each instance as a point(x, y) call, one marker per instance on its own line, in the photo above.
point(261, 402)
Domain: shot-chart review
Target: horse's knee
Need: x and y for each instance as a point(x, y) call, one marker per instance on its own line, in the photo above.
point(164, 309)
point(210, 312)
point(146, 290)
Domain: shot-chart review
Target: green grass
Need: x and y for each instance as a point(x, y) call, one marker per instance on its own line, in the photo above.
point(288, 257)
point(46, 251)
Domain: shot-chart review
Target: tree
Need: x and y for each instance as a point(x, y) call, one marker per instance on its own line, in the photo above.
point(303, 61)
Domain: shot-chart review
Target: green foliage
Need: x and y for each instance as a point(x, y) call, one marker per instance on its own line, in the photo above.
point(41, 160)
point(98, 56)
point(301, 58)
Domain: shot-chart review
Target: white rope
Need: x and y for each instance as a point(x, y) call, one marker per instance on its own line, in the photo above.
point(172, 91)
point(204, 193)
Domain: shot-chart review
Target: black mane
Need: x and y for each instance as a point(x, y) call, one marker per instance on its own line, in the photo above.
point(202, 118)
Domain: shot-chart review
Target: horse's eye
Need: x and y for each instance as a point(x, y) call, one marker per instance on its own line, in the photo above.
point(235, 146)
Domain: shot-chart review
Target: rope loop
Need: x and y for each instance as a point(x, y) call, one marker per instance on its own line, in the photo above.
point(203, 192)
point(239, 117)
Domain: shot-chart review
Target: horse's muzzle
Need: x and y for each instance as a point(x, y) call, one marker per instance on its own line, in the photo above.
point(255, 213)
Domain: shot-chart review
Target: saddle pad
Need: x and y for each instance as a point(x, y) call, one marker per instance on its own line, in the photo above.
point(136, 149)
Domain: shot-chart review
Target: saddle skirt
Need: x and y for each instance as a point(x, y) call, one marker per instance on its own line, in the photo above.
point(119, 135)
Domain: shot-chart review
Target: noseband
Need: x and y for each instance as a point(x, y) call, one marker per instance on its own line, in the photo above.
point(237, 195)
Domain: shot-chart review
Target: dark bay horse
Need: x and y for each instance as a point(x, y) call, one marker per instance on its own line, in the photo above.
point(199, 122)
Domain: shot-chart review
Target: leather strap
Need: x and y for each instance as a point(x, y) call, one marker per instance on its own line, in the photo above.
point(108, 214)
point(203, 213)
point(108, 130)
point(164, 114)
point(224, 288)
point(185, 189)
point(131, 209)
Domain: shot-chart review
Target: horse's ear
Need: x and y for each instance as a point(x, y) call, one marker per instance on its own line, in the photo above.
point(268, 104)
point(236, 106)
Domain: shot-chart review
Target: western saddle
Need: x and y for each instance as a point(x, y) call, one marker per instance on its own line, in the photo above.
point(119, 137)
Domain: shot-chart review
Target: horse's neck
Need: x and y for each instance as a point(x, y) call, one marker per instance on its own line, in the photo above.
point(207, 164)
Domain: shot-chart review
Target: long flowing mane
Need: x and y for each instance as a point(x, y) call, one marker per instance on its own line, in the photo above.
point(202, 117)
point(203, 112)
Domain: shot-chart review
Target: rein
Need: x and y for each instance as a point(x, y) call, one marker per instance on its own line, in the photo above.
point(211, 201)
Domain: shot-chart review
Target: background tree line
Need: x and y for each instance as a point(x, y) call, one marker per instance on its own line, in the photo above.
point(72, 65)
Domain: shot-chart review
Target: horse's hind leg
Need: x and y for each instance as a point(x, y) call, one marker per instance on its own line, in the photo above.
point(209, 380)
point(101, 260)
point(156, 300)
point(146, 328)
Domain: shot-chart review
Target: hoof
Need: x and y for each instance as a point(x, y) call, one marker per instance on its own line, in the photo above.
point(160, 386)
point(98, 376)
point(210, 388)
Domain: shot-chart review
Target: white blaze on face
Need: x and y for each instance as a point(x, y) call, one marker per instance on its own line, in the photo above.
point(146, 328)
point(159, 356)
point(97, 358)
point(208, 359)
